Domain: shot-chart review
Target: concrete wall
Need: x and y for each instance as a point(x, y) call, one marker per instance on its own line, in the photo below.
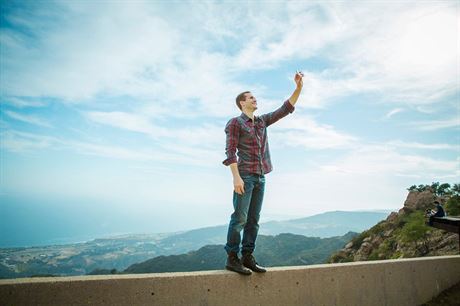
point(388, 282)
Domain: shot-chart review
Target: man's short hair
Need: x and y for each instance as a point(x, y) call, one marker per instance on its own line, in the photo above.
point(241, 97)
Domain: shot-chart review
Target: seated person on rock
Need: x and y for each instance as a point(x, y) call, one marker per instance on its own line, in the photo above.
point(438, 213)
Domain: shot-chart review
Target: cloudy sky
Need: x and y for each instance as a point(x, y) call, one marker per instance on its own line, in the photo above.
point(125, 103)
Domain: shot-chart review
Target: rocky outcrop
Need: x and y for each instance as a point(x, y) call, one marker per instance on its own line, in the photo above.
point(388, 238)
point(419, 201)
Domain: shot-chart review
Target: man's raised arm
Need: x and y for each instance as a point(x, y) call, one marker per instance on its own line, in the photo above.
point(299, 84)
point(288, 105)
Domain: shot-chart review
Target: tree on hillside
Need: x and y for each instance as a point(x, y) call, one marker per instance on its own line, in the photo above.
point(437, 188)
point(415, 231)
point(434, 186)
point(422, 187)
point(453, 205)
point(456, 189)
point(444, 189)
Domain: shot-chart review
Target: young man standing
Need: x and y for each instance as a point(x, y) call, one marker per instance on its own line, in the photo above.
point(248, 134)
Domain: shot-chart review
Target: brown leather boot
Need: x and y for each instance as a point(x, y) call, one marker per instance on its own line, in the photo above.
point(234, 264)
point(250, 262)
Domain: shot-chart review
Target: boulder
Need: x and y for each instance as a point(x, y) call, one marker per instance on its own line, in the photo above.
point(417, 200)
point(388, 232)
point(377, 240)
point(392, 217)
point(364, 251)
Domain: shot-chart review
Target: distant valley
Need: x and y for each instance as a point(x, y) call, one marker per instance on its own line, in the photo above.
point(123, 251)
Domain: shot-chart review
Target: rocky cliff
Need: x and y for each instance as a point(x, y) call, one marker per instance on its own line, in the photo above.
point(403, 234)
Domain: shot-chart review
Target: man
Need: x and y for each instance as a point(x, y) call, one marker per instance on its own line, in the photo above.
point(438, 213)
point(248, 134)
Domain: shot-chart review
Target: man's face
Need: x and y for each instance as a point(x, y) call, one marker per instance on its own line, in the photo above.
point(250, 103)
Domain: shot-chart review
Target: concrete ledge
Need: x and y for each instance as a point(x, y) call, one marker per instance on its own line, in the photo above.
point(384, 282)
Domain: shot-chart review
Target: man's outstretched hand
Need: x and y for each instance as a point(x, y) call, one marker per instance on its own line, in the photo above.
point(298, 79)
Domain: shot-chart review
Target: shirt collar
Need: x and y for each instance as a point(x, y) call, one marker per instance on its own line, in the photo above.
point(246, 118)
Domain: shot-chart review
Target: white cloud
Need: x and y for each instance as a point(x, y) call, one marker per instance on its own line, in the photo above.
point(28, 119)
point(311, 191)
point(204, 134)
point(22, 103)
point(116, 152)
point(428, 146)
point(431, 125)
point(368, 177)
point(123, 120)
point(200, 86)
point(307, 133)
point(384, 160)
point(102, 51)
point(320, 89)
point(83, 49)
point(426, 109)
point(201, 145)
point(302, 33)
point(393, 112)
point(408, 52)
point(87, 50)
point(170, 154)
point(16, 141)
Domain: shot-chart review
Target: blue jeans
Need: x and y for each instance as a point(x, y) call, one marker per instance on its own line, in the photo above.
point(246, 214)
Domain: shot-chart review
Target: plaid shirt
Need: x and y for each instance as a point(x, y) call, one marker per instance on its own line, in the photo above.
point(250, 138)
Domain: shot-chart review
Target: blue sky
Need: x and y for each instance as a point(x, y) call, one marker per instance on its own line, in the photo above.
point(126, 102)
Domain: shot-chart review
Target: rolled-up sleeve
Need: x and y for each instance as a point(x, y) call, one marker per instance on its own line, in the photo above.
point(232, 130)
point(276, 115)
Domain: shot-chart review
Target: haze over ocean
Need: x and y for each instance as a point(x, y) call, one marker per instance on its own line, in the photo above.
point(112, 113)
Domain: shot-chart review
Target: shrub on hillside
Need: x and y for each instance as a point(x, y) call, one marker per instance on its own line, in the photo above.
point(453, 206)
point(415, 230)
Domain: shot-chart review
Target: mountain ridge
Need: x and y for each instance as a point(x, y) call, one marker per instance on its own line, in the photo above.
point(124, 250)
point(282, 250)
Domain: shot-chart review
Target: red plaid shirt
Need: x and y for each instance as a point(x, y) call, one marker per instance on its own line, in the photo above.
point(250, 138)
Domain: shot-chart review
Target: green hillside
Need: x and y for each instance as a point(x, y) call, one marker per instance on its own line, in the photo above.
point(281, 250)
point(404, 233)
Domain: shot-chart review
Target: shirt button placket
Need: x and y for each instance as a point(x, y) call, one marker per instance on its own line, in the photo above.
point(260, 152)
